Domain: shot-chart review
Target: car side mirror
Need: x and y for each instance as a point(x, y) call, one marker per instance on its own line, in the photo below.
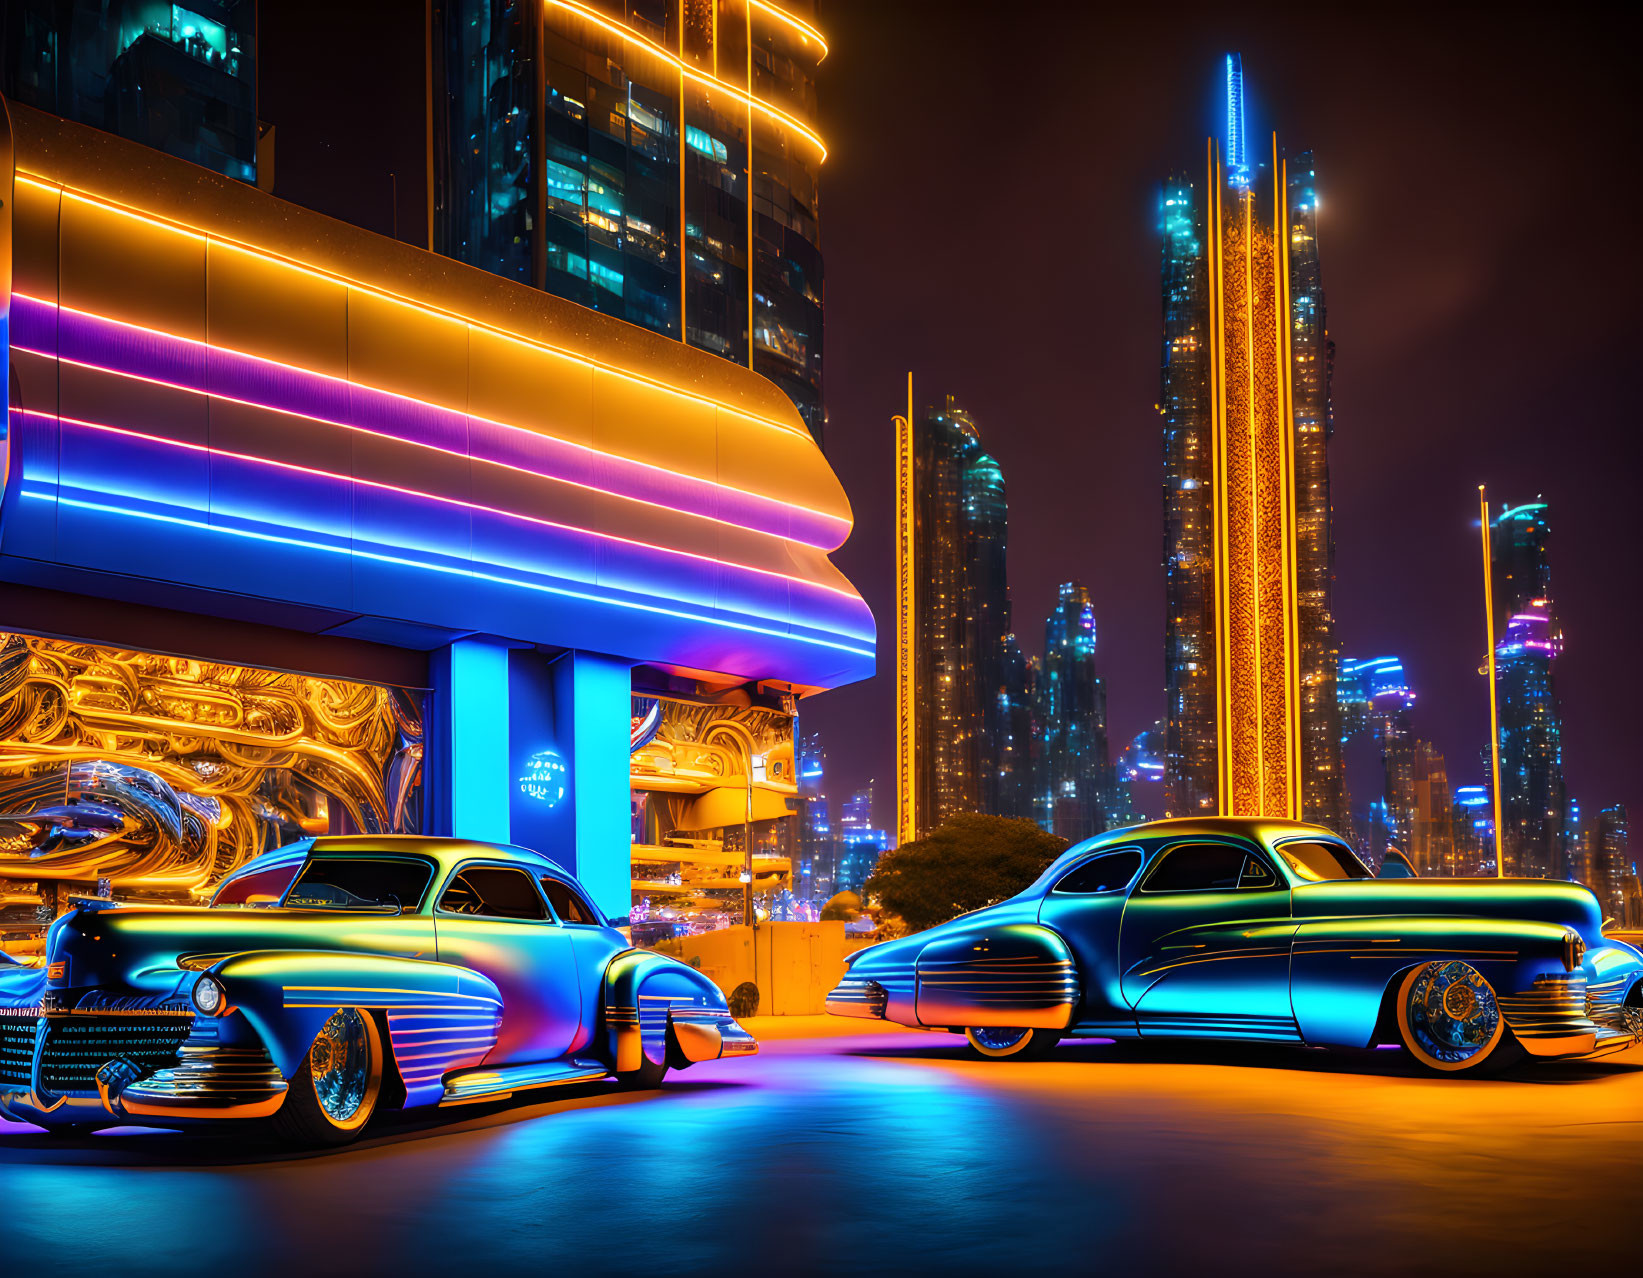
point(625, 921)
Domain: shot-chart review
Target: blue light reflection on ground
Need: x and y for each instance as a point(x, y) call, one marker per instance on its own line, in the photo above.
point(837, 1152)
point(793, 1158)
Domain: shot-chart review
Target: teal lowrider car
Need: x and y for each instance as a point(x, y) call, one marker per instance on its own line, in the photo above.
point(1262, 930)
point(339, 976)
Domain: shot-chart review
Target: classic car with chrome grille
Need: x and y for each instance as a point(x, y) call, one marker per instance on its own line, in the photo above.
point(1262, 930)
point(338, 976)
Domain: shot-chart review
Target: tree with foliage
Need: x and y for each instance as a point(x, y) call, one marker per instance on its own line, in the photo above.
point(967, 862)
point(845, 907)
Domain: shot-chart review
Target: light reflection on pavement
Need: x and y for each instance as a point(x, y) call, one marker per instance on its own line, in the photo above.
point(843, 1148)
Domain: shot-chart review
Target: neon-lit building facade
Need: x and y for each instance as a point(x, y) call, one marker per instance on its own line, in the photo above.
point(282, 496)
point(1252, 722)
point(655, 160)
point(1528, 639)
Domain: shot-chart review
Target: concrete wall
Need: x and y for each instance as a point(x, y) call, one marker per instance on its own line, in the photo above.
point(793, 964)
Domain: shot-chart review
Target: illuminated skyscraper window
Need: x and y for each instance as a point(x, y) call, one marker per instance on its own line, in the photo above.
point(654, 160)
point(181, 78)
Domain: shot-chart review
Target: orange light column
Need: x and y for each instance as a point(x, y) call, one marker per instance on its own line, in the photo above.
point(1256, 624)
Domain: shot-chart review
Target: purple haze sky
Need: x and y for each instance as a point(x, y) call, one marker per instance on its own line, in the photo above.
point(989, 220)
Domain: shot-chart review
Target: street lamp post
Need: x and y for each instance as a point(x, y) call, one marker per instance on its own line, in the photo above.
point(1494, 703)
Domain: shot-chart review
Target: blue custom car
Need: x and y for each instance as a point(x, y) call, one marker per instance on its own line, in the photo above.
point(337, 976)
point(1263, 930)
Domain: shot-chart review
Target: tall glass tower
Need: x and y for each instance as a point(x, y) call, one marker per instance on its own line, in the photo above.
point(1528, 639)
point(652, 159)
point(970, 681)
point(1076, 776)
point(1252, 723)
point(181, 78)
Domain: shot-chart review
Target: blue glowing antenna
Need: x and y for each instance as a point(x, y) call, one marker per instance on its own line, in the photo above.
point(1237, 150)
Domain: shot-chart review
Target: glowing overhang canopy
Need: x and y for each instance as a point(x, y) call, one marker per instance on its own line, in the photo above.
point(603, 488)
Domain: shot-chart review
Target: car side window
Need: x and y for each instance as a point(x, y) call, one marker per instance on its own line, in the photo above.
point(1257, 874)
point(1102, 873)
point(493, 891)
point(1197, 867)
point(568, 903)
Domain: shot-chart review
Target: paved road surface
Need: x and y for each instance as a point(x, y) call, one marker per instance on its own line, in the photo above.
point(845, 1149)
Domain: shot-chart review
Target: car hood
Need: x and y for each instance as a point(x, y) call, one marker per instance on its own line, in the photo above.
point(1533, 900)
point(137, 947)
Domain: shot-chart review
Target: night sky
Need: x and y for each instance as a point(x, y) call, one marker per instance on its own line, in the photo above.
point(989, 220)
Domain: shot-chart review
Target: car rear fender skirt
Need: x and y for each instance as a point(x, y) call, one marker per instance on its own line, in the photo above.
point(663, 1010)
point(438, 1017)
point(1341, 969)
point(1013, 974)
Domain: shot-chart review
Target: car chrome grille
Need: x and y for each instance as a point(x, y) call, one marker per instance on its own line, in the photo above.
point(1553, 1007)
point(858, 991)
point(17, 1028)
point(76, 1047)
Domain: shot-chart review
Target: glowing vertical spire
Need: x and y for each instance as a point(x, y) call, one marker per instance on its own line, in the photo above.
point(1237, 149)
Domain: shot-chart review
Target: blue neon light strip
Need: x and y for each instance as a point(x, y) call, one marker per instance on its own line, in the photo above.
point(626, 546)
point(1237, 147)
point(474, 573)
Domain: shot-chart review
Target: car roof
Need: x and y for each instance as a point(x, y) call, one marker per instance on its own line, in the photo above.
point(1263, 830)
point(443, 851)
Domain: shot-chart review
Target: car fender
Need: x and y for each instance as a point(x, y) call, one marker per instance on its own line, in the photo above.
point(439, 1017)
point(994, 973)
point(1341, 969)
point(655, 1007)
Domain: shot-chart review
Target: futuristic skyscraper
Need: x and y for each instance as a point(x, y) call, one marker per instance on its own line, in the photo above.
point(1252, 721)
point(1528, 639)
point(959, 678)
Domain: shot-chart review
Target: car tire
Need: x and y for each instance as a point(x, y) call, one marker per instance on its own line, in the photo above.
point(995, 1043)
point(73, 1131)
point(335, 1090)
point(1449, 1021)
point(649, 1075)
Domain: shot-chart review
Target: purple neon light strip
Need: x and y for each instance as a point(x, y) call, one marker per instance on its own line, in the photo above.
point(664, 553)
point(627, 567)
point(62, 332)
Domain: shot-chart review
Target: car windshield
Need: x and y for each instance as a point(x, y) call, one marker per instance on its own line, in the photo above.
point(360, 883)
point(1321, 862)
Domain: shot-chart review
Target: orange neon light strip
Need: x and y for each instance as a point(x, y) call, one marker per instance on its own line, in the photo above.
point(421, 403)
point(435, 497)
point(804, 29)
point(1248, 201)
point(1221, 541)
point(630, 36)
point(1292, 584)
point(263, 254)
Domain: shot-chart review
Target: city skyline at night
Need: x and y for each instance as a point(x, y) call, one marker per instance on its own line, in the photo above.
point(486, 710)
point(1422, 418)
point(1423, 413)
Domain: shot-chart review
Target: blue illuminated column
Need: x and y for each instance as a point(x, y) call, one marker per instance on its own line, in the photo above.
point(568, 726)
point(470, 735)
point(592, 713)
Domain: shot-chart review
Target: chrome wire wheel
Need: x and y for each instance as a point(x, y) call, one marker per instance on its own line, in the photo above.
point(334, 1091)
point(997, 1042)
point(345, 1069)
point(1448, 1017)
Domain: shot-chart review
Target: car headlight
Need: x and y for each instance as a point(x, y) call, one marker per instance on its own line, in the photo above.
point(1574, 950)
point(209, 996)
